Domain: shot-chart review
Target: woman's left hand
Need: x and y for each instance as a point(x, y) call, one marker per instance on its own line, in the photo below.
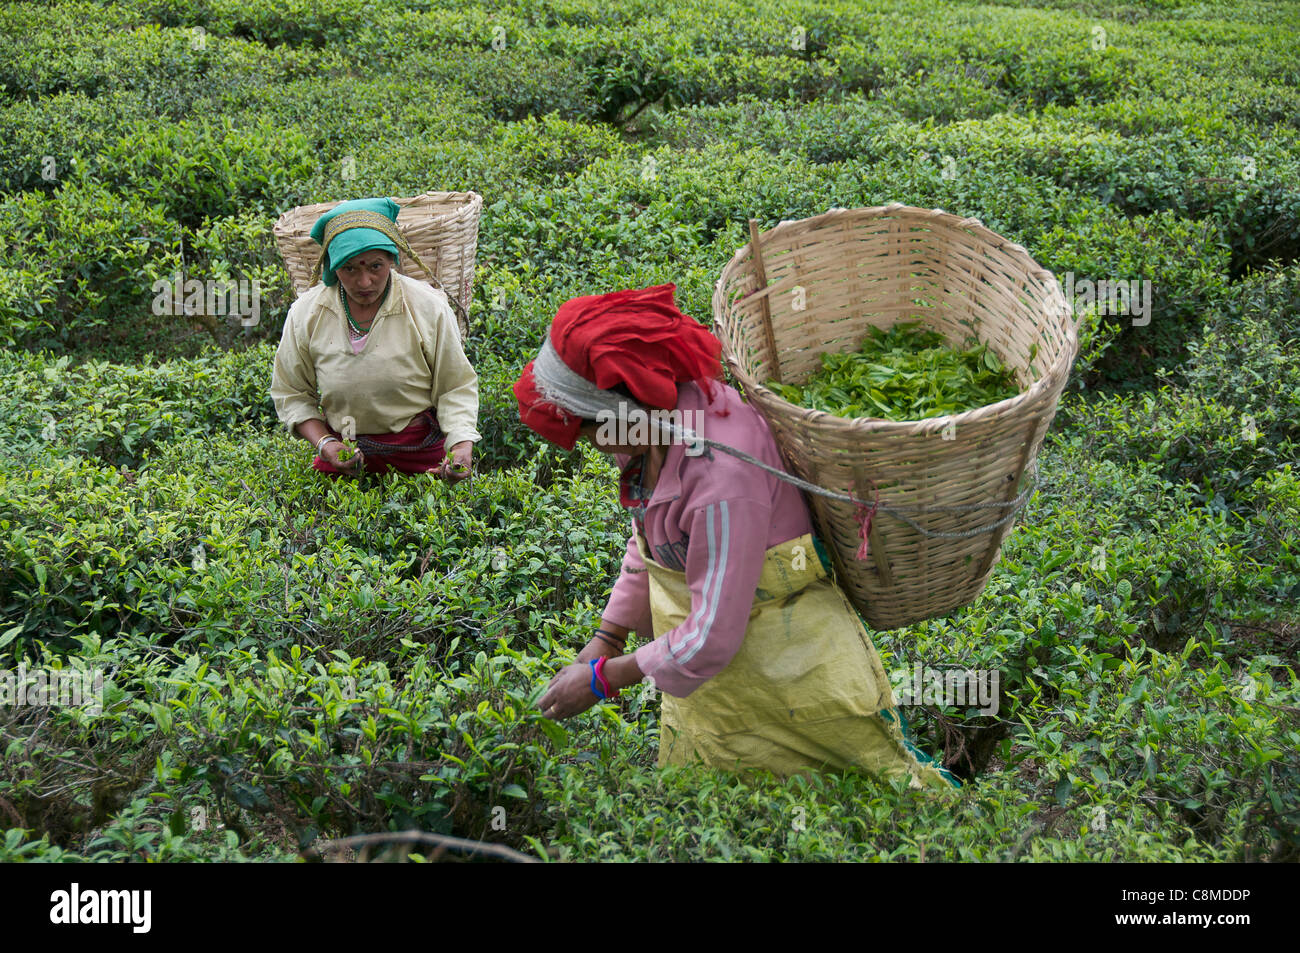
point(458, 464)
point(569, 692)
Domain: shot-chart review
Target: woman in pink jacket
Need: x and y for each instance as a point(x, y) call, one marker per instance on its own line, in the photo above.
point(762, 661)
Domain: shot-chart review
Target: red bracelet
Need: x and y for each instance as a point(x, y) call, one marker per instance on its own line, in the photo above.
point(600, 677)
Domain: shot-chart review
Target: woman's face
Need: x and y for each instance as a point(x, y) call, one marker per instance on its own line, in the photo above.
point(592, 433)
point(365, 276)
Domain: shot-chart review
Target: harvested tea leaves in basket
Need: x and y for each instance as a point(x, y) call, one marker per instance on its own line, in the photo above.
point(904, 373)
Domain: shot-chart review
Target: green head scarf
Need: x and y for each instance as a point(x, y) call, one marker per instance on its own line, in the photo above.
point(351, 228)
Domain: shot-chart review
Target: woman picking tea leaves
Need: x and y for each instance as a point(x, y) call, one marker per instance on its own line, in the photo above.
point(378, 354)
point(762, 661)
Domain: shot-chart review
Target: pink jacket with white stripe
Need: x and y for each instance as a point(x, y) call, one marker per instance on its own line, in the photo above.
point(714, 519)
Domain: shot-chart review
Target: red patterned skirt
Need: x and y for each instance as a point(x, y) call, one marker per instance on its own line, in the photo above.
point(417, 449)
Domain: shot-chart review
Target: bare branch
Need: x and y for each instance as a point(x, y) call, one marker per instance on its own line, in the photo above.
point(440, 841)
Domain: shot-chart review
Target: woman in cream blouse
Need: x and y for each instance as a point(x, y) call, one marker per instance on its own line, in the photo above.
point(374, 356)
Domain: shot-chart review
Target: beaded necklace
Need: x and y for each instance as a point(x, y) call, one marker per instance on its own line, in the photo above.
point(343, 296)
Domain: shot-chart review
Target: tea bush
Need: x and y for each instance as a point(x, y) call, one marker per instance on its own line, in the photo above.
point(1227, 416)
point(114, 411)
point(438, 750)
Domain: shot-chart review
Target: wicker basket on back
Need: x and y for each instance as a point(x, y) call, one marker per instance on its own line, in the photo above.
point(440, 227)
point(941, 483)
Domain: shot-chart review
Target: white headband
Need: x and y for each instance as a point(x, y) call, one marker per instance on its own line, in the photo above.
point(572, 392)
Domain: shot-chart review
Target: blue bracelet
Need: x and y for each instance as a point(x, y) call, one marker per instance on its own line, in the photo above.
point(595, 682)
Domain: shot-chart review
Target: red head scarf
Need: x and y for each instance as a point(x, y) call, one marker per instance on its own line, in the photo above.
point(637, 338)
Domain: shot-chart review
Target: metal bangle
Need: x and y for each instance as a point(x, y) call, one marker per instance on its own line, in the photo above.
point(324, 440)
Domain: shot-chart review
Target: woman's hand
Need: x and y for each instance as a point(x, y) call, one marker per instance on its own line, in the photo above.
point(569, 692)
point(330, 454)
point(458, 464)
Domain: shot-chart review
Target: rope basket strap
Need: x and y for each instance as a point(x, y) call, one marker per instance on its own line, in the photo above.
point(867, 511)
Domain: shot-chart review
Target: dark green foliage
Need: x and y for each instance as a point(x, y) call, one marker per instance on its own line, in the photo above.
point(116, 412)
point(1231, 413)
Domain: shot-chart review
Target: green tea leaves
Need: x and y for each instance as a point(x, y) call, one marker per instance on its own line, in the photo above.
point(904, 373)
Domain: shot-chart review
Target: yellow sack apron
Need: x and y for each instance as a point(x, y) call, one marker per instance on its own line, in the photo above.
point(806, 690)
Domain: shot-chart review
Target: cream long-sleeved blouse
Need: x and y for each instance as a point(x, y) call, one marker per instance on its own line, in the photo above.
point(412, 360)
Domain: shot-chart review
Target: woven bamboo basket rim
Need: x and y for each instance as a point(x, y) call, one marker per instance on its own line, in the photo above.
point(928, 425)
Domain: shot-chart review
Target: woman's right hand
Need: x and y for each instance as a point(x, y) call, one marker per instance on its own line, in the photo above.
point(330, 454)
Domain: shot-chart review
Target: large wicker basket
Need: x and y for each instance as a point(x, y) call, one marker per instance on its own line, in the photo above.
point(440, 227)
point(816, 286)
